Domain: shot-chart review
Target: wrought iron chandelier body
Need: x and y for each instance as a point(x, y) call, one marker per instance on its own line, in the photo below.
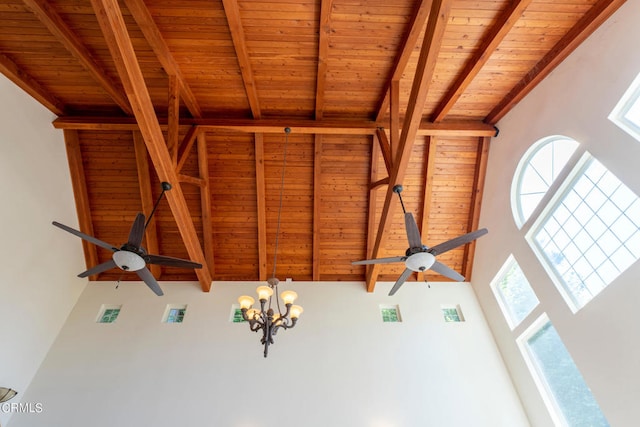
point(267, 319)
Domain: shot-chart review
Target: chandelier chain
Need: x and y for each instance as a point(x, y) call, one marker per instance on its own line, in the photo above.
point(284, 165)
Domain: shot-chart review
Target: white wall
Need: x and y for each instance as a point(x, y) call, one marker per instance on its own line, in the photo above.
point(574, 101)
point(38, 287)
point(341, 366)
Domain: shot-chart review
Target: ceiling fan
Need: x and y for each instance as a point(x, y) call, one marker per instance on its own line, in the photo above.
point(419, 257)
point(131, 256)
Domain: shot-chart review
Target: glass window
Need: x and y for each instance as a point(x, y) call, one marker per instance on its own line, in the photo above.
point(452, 314)
point(566, 394)
point(591, 235)
point(174, 313)
point(538, 169)
point(109, 315)
point(514, 293)
point(626, 114)
point(390, 314)
point(237, 315)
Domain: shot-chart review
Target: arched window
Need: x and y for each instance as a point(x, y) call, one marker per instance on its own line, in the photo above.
point(538, 169)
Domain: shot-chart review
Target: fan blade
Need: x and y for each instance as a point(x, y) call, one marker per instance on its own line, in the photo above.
point(413, 234)
point(86, 237)
point(380, 260)
point(404, 276)
point(99, 268)
point(171, 262)
point(150, 281)
point(440, 268)
point(458, 241)
point(137, 231)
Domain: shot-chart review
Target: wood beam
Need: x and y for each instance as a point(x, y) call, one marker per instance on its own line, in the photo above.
point(394, 118)
point(430, 159)
point(188, 179)
point(25, 82)
point(438, 17)
point(499, 30)
point(146, 196)
point(185, 147)
point(323, 55)
point(385, 149)
point(261, 206)
point(152, 34)
point(232, 12)
point(205, 202)
point(599, 12)
point(476, 202)
point(173, 118)
point(61, 31)
point(114, 28)
point(300, 126)
point(83, 210)
point(373, 202)
point(317, 182)
point(409, 43)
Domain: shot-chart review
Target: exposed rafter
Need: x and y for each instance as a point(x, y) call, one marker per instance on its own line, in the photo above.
point(50, 18)
point(153, 35)
point(146, 197)
point(323, 55)
point(572, 39)
point(262, 208)
point(232, 12)
point(115, 31)
point(409, 43)
point(30, 85)
point(438, 17)
point(500, 29)
point(79, 184)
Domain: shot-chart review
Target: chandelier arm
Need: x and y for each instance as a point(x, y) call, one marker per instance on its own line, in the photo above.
point(285, 315)
point(286, 325)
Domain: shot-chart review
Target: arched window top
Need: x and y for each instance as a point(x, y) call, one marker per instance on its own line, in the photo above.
point(537, 170)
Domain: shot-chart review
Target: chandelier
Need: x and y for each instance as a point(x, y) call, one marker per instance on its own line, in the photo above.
point(270, 319)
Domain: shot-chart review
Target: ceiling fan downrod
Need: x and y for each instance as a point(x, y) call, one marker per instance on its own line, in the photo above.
point(165, 187)
point(398, 189)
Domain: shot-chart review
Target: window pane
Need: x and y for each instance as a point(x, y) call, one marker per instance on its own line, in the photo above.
point(514, 293)
point(598, 236)
point(537, 171)
point(110, 315)
point(563, 381)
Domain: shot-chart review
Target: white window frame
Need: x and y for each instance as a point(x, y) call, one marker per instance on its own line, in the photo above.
point(167, 312)
point(630, 99)
point(458, 311)
point(538, 377)
point(506, 311)
point(550, 205)
point(106, 307)
point(516, 185)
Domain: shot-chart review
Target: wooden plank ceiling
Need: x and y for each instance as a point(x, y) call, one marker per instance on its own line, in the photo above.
point(198, 93)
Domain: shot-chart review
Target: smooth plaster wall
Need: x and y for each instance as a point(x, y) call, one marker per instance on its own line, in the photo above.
point(575, 100)
point(341, 366)
point(38, 286)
